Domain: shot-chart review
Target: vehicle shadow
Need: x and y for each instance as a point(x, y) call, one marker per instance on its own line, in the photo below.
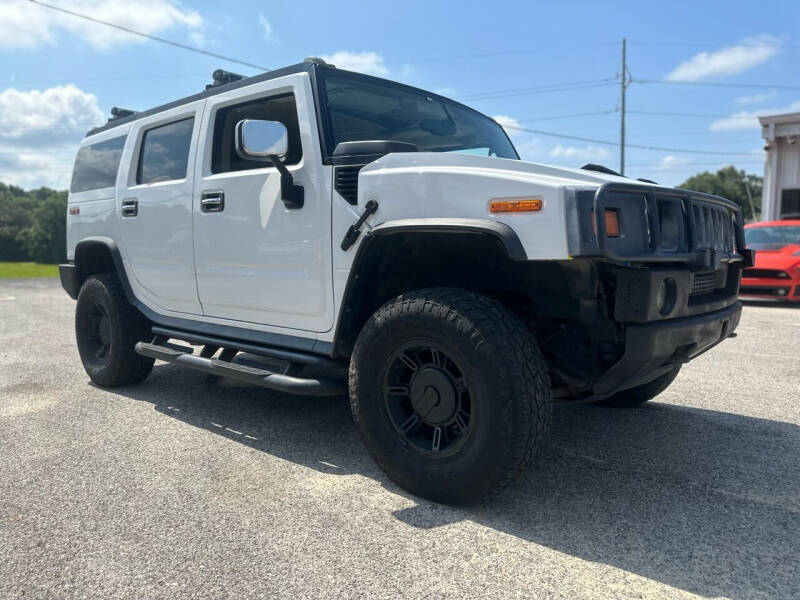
point(704, 501)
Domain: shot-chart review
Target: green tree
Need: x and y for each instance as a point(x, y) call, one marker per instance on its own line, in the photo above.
point(16, 211)
point(731, 183)
point(46, 237)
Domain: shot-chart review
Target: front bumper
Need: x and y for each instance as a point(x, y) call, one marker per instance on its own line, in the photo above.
point(651, 349)
point(785, 289)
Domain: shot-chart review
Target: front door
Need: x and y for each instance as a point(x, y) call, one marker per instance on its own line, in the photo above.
point(155, 206)
point(258, 261)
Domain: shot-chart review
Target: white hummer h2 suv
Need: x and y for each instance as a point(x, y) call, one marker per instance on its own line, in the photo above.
point(322, 232)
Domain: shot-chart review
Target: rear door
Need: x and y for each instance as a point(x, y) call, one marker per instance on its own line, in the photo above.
point(258, 261)
point(155, 204)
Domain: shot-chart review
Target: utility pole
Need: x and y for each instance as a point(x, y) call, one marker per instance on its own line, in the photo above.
point(622, 112)
point(750, 198)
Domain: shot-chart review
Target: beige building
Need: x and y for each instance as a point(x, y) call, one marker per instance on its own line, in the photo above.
point(781, 195)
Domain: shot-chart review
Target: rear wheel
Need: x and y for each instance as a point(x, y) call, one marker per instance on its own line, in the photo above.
point(450, 393)
point(641, 394)
point(107, 328)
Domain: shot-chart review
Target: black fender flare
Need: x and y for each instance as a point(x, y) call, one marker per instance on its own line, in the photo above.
point(74, 273)
point(507, 238)
point(502, 232)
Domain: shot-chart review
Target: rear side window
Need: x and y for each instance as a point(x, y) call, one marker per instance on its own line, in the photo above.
point(96, 165)
point(165, 152)
point(277, 108)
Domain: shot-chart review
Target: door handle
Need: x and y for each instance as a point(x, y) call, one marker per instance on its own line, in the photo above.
point(130, 207)
point(212, 201)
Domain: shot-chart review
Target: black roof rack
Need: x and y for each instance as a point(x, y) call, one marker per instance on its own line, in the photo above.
point(120, 113)
point(221, 77)
point(209, 91)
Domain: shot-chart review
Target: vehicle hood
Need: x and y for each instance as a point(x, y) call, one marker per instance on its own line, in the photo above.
point(494, 167)
point(430, 185)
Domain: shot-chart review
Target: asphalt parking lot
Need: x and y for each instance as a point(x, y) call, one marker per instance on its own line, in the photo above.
point(187, 486)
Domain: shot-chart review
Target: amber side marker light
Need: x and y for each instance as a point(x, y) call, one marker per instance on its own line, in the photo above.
point(516, 206)
point(612, 223)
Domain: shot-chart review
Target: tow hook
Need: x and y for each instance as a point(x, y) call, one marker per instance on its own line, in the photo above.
point(355, 229)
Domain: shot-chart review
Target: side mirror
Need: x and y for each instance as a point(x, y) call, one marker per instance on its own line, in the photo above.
point(268, 141)
point(261, 139)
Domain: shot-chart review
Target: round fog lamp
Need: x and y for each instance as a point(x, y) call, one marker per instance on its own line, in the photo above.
point(667, 294)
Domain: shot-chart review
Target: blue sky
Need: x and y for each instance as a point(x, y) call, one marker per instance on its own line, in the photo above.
point(61, 75)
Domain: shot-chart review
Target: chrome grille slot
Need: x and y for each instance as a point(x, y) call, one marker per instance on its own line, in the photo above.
point(713, 227)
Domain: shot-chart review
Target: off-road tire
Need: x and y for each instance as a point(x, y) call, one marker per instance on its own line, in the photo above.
point(641, 394)
point(503, 370)
point(112, 361)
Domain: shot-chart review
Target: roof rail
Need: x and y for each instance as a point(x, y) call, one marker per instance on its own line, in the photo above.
point(120, 113)
point(222, 77)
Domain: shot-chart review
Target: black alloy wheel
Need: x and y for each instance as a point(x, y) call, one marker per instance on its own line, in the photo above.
point(428, 399)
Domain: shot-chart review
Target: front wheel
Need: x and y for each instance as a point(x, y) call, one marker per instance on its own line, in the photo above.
point(450, 393)
point(107, 328)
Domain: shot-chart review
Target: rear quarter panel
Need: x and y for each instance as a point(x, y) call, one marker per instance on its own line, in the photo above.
point(95, 210)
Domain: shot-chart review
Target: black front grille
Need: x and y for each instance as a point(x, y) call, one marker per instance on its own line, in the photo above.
point(714, 227)
point(704, 283)
point(346, 182)
point(765, 274)
point(764, 291)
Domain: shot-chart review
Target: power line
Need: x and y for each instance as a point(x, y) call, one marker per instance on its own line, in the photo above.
point(570, 116)
point(148, 36)
point(555, 87)
point(520, 51)
point(719, 84)
point(705, 44)
point(683, 114)
point(638, 146)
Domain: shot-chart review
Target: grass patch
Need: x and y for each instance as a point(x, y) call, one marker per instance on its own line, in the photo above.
point(10, 270)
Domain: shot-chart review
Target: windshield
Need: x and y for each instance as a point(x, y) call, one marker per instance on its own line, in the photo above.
point(362, 108)
point(771, 238)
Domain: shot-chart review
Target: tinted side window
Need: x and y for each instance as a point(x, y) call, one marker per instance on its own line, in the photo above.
point(165, 152)
point(96, 165)
point(278, 108)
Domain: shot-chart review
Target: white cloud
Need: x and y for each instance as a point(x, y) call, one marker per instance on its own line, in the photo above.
point(749, 119)
point(727, 61)
point(445, 91)
point(198, 38)
point(756, 98)
point(363, 62)
point(580, 152)
point(266, 26)
point(510, 124)
point(672, 162)
point(40, 132)
point(25, 25)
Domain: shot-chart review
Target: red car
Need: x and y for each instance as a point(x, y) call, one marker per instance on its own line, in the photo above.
point(776, 274)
